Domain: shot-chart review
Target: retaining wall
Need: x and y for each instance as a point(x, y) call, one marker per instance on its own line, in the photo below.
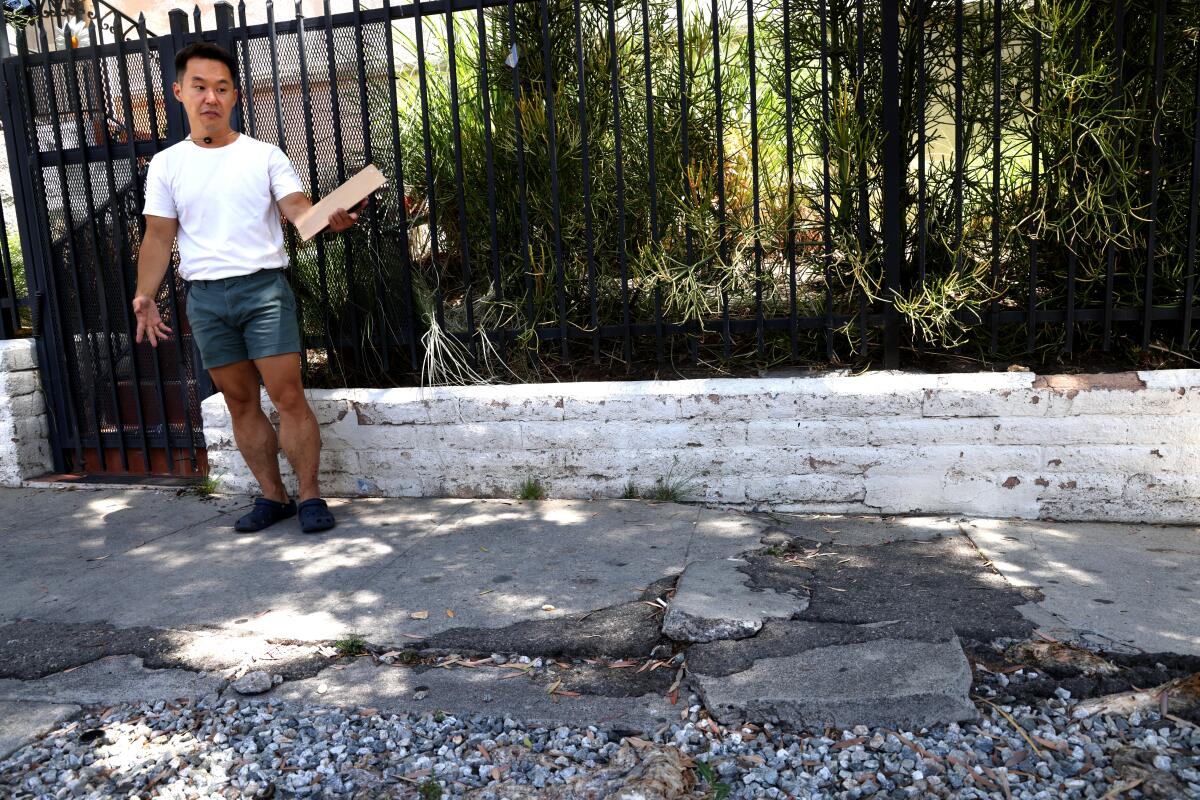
point(24, 427)
point(1096, 447)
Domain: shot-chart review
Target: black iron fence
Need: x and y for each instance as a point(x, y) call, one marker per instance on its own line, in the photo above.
point(715, 182)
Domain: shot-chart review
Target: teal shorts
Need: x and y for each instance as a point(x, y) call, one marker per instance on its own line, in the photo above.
point(243, 318)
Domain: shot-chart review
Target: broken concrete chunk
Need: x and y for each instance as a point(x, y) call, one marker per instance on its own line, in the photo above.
point(713, 601)
point(888, 682)
point(255, 682)
point(1051, 655)
point(1176, 696)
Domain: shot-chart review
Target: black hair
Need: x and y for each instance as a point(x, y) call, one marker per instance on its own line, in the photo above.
point(205, 50)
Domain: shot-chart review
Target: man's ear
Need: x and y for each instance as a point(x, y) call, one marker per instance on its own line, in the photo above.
point(178, 92)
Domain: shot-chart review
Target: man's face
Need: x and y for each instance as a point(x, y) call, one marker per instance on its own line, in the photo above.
point(207, 93)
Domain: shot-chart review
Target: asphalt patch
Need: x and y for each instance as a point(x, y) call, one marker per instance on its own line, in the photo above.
point(32, 649)
point(628, 630)
point(942, 583)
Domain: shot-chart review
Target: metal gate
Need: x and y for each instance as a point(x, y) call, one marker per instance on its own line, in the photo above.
point(81, 125)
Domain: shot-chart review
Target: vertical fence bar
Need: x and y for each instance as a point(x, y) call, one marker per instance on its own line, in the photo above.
point(620, 177)
point(588, 223)
point(42, 278)
point(177, 127)
point(997, 36)
point(922, 145)
point(720, 129)
point(789, 143)
point(1119, 97)
point(94, 238)
point(1073, 243)
point(827, 220)
point(313, 179)
point(485, 93)
point(247, 70)
point(1160, 14)
point(406, 278)
point(223, 11)
point(1034, 177)
point(560, 277)
point(139, 194)
point(14, 315)
point(456, 132)
point(684, 113)
point(373, 232)
point(758, 255)
point(273, 47)
point(893, 178)
point(959, 139)
point(177, 123)
point(430, 188)
point(1193, 214)
point(652, 175)
point(76, 284)
point(864, 204)
point(522, 187)
point(339, 152)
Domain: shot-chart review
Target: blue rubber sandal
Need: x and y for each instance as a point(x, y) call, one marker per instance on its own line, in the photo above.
point(265, 514)
point(315, 516)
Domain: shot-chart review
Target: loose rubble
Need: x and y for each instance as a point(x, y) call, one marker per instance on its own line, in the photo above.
point(239, 747)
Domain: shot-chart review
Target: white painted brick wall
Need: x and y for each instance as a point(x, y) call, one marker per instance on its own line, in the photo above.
point(24, 428)
point(1123, 447)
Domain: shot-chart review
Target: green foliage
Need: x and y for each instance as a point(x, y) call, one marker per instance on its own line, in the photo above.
point(430, 790)
point(672, 487)
point(207, 486)
point(630, 492)
point(352, 644)
point(718, 790)
point(531, 489)
point(787, 225)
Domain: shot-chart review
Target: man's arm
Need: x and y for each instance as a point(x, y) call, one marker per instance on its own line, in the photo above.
point(154, 256)
point(296, 203)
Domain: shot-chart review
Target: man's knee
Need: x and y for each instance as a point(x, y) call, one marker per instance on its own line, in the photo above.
point(290, 401)
point(240, 389)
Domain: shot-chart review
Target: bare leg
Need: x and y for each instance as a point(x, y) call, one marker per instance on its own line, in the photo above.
point(253, 432)
point(298, 431)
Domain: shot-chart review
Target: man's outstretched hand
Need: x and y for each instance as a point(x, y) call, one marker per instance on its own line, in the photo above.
point(342, 219)
point(149, 322)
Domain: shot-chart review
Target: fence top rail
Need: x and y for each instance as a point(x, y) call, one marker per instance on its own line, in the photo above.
point(346, 19)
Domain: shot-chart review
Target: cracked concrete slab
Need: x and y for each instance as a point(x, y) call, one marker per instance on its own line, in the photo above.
point(939, 583)
point(628, 630)
point(23, 720)
point(467, 564)
point(857, 531)
point(115, 679)
point(464, 692)
point(782, 638)
point(1117, 586)
point(867, 683)
point(714, 600)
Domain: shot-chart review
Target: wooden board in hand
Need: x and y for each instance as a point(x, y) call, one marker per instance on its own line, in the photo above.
point(346, 196)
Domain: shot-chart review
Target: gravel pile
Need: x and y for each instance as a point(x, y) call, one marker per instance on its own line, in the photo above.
point(254, 748)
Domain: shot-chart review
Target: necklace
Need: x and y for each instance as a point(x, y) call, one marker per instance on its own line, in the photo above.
point(209, 139)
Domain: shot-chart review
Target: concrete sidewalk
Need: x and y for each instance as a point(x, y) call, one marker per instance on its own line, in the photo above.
point(109, 595)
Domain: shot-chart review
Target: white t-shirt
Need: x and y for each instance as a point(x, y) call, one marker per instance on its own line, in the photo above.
point(226, 200)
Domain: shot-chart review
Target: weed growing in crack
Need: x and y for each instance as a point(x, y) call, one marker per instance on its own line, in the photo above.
point(531, 489)
point(353, 644)
point(430, 790)
point(630, 492)
point(671, 487)
point(718, 790)
point(207, 486)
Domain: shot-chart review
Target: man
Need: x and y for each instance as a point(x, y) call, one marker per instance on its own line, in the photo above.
point(222, 193)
